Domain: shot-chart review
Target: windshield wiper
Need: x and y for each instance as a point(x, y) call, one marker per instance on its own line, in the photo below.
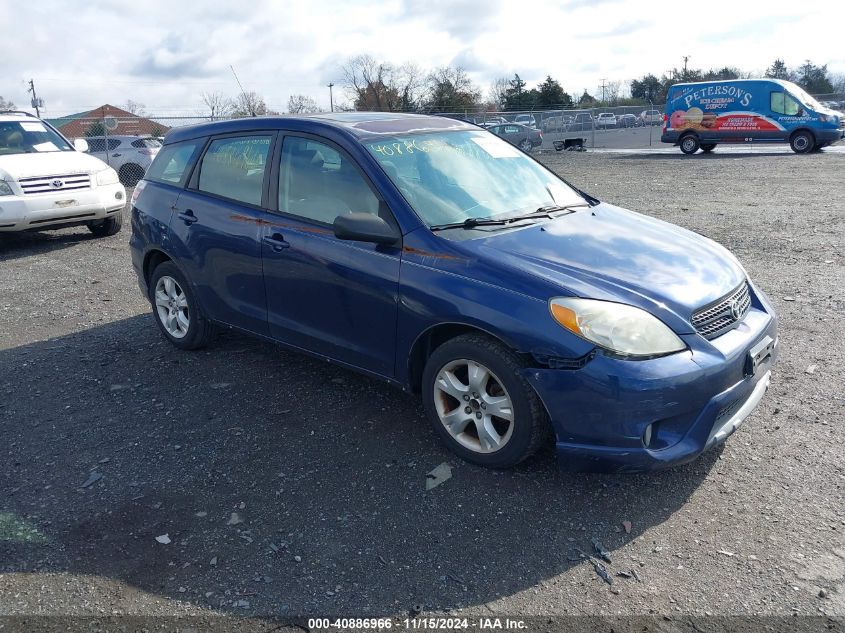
point(548, 211)
point(469, 223)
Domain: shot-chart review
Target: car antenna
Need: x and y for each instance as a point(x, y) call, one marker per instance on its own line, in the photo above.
point(247, 102)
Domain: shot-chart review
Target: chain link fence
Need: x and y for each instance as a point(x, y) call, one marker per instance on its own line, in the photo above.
point(601, 127)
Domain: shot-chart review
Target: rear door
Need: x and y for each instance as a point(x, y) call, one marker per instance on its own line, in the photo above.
point(216, 228)
point(334, 297)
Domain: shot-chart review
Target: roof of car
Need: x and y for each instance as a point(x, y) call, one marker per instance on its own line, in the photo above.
point(357, 124)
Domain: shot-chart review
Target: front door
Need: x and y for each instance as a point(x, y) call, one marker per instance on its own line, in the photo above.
point(334, 297)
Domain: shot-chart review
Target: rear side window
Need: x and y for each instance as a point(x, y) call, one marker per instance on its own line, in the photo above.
point(96, 145)
point(234, 168)
point(172, 162)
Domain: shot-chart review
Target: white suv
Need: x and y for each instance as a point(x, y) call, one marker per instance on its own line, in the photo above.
point(606, 120)
point(129, 155)
point(47, 183)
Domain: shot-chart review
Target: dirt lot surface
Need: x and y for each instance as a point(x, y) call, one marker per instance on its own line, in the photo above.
point(243, 479)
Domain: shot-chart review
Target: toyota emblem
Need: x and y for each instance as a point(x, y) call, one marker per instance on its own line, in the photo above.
point(57, 183)
point(735, 310)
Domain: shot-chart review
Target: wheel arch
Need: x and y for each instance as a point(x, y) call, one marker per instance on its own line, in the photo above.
point(803, 128)
point(436, 335)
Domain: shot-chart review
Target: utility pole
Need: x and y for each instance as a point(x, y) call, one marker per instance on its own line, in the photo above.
point(331, 100)
point(686, 58)
point(35, 102)
point(603, 85)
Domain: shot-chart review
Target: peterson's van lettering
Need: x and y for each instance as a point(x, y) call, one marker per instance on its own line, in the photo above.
point(731, 91)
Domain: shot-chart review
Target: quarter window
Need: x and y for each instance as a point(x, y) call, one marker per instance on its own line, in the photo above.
point(234, 168)
point(171, 163)
point(319, 183)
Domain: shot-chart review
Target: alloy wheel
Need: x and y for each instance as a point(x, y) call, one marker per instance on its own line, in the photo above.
point(473, 405)
point(172, 307)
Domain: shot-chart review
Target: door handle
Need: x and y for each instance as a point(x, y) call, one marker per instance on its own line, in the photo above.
point(277, 242)
point(115, 155)
point(187, 217)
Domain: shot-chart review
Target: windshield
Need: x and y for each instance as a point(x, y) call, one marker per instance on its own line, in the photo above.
point(804, 98)
point(450, 177)
point(26, 137)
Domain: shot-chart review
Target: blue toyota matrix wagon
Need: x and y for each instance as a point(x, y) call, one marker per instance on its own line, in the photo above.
point(435, 256)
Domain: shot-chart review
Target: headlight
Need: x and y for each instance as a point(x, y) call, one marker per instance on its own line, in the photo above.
point(617, 327)
point(5, 189)
point(107, 177)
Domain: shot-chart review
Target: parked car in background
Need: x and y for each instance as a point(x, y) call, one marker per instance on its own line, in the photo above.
point(524, 137)
point(556, 122)
point(442, 260)
point(128, 155)
point(47, 182)
point(581, 121)
point(492, 120)
point(651, 117)
point(606, 120)
point(525, 119)
point(628, 120)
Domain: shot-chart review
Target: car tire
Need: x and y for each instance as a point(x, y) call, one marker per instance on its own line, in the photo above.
point(802, 142)
point(525, 145)
point(689, 144)
point(176, 310)
point(109, 226)
point(130, 174)
point(708, 147)
point(463, 380)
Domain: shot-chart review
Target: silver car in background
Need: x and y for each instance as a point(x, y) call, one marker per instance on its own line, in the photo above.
point(129, 156)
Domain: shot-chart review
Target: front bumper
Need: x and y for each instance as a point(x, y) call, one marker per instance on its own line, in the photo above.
point(28, 212)
point(605, 412)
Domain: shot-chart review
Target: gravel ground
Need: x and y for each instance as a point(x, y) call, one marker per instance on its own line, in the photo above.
point(286, 486)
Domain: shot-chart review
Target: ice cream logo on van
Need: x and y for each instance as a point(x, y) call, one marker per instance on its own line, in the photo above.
point(734, 92)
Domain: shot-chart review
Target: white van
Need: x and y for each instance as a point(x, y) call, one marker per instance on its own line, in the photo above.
point(48, 183)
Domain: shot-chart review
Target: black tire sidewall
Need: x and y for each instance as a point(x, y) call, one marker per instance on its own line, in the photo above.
point(518, 446)
point(196, 321)
point(109, 226)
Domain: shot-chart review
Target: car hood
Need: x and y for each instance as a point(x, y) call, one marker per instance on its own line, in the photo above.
point(17, 166)
point(614, 254)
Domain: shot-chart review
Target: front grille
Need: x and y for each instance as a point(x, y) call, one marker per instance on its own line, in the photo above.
point(52, 184)
point(718, 317)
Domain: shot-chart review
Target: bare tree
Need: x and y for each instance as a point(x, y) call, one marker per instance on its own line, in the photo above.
point(6, 105)
point(410, 81)
point(218, 105)
point(301, 104)
point(499, 91)
point(451, 90)
point(370, 83)
point(838, 82)
point(250, 104)
point(134, 107)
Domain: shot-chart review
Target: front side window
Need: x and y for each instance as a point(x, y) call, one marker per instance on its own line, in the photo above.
point(96, 145)
point(319, 183)
point(454, 176)
point(30, 137)
point(784, 103)
point(171, 163)
point(234, 168)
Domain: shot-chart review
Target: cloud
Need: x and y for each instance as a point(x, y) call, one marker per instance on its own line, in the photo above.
point(462, 19)
point(623, 28)
point(170, 58)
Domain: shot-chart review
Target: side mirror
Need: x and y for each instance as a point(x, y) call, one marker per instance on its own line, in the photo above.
point(80, 145)
point(365, 227)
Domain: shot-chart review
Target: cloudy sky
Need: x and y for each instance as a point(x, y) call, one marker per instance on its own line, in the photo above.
point(164, 54)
